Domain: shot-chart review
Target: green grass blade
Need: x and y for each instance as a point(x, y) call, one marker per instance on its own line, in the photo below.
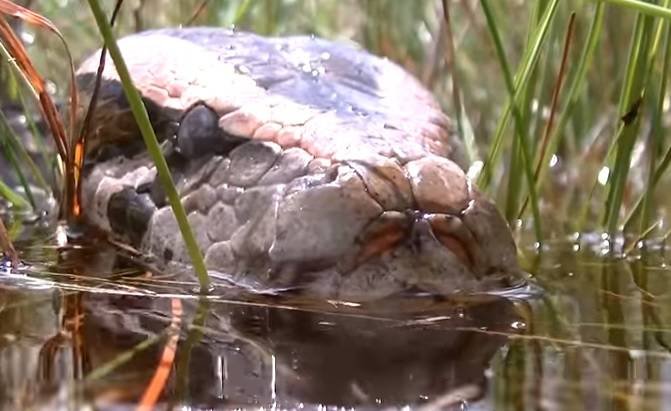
point(8, 141)
point(12, 139)
point(142, 119)
point(656, 138)
point(241, 11)
point(514, 91)
point(630, 99)
point(522, 77)
point(11, 158)
point(12, 197)
point(643, 7)
point(576, 85)
point(654, 173)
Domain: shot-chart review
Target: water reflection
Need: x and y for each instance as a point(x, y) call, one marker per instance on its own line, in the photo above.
point(597, 338)
point(263, 356)
point(70, 348)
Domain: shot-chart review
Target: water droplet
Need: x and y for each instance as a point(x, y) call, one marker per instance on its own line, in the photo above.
point(325, 56)
point(51, 87)
point(518, 325)
point(603, 175)
point(27, 37)
point(242, 69)
point(199, 291)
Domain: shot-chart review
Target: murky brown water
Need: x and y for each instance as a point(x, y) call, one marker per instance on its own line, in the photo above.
point(85, 332)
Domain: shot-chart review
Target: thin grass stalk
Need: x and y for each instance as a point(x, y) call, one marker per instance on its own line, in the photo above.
point(142, 119)
point(656, 136)
point(46, 152)
point(451, 56)
point(513, 90)
point(7, 137)
point(522, 126)
point(19, 53)
point(11, 157)
point(538, 79)
point(6, 245)
point(194, 337)
point(658, 172)
point(522, 77)
point(642, 7)
point(545, 141)
point(514, 185)
point(542, 152)
point(80, 147)
point(241, 11)
point(630, 98)
point(26, 15)
point(576, 86)
point(12, 197)
point(13, 140)
point(538, 94)
point(270, 7)
point(198, 10)
point(516, 176)
point(18, 148)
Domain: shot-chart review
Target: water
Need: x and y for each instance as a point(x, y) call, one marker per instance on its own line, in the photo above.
point(85, 328)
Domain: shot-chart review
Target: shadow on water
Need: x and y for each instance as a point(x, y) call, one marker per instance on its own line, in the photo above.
point(87, 331)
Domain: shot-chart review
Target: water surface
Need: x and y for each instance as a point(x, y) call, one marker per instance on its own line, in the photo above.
point(84, 327)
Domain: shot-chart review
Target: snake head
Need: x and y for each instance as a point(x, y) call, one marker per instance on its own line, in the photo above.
point(345, 183)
